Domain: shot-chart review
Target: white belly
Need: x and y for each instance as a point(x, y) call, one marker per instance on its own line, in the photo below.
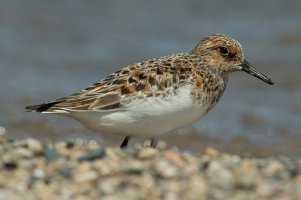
point(146, 117)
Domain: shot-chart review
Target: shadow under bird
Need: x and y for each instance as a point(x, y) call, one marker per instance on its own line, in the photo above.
point(158, 95)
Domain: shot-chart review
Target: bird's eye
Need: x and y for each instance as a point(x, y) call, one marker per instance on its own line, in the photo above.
point(224, 51)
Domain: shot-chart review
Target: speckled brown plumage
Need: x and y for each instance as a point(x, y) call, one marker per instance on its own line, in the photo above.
point(153, 77)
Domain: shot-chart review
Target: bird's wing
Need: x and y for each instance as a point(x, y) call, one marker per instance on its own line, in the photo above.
point(153, 77)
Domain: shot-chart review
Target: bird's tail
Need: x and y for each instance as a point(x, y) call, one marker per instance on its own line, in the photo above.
point(41, 107)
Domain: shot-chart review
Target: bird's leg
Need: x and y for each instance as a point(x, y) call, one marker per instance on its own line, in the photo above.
point(125, 142)
point(153, 142)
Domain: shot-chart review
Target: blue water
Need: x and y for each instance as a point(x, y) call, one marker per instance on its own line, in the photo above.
point(49, 49)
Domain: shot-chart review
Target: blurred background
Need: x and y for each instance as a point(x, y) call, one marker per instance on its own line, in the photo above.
point(50, 49)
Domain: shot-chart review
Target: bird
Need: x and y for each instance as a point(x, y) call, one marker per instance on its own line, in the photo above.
point(158, 95)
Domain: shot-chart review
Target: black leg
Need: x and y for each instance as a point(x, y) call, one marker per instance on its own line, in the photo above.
point(125, 142)
point(153, 142)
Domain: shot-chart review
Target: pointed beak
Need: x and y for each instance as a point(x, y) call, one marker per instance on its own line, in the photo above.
point(247, 67)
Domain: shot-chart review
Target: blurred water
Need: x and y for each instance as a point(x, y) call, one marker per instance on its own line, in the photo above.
point(50, 49)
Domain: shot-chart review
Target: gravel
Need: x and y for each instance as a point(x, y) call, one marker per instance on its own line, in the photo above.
point(85, 170)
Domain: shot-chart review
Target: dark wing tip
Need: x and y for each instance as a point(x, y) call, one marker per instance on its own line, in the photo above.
point(40, 108)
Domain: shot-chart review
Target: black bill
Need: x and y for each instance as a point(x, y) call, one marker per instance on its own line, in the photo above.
point(247, 67)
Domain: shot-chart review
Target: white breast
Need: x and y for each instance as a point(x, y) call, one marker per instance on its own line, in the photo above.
point(146, 117)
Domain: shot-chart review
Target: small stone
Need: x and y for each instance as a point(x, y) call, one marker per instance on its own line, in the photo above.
point(161, 145)
point(174, 157)
point(247, 180)
point(65, 171)
point(39, 173)
point(2, 130)
point(92, 155)
point(66, 193)
point(34, 145)
point(265, 190)
point(86, 176)
point(51, 155)
point(93, 145)
point(220, 175)
point(133, 167)
point(211, 153)
point(106, 167)
point(291, 166)
point(165, 169)
point(26, 164)
point(107, 187)
point(147, 153)
point(22, 152)
point(276, 169)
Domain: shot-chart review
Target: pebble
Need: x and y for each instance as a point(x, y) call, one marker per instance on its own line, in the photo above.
point(34, 145)
point(107, 187)
point(147, 153)
point(2, 131)
point(211, 153)
point(86, 176)
point(39, 173)
point(65, 171)
point(133, 167)
point(92, 155)
point(174, 157)
point(51, 155)
point(21, 152)
point(165, 168)
point(276, 169)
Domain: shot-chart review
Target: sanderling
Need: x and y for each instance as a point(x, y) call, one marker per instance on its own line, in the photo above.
point(155, 96)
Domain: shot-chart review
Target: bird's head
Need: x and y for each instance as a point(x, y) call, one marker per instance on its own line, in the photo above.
point(224, 54)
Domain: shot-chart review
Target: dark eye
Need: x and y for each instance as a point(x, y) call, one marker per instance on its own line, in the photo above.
point(224, 51)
